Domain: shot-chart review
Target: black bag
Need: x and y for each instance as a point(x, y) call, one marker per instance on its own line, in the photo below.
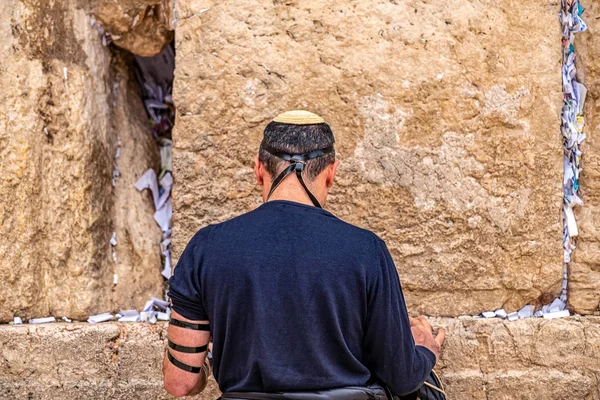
point(432, 389)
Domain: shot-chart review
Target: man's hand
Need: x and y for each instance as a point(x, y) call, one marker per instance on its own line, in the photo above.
point(423, 335)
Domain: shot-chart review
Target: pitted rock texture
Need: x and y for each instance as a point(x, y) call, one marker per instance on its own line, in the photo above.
point(143, 27)
point(447, 126)
point(76, 361)
point(63, 108)
point(530, 358)
point(481, 359)
point(584, 270)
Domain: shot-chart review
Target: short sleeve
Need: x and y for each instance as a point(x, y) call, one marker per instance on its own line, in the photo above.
point(185, 286)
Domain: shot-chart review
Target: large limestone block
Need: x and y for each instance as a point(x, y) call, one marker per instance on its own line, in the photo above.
point(62, 113)
point(481, 359)
point(143, 27)
point(68, 361)
point(447, 123)
point(584, 270)
point(526, 359)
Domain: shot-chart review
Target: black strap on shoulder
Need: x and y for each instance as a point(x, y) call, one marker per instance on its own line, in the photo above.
point(182, 365)
point(186, 349)
point(297, 163)
point(189, 325)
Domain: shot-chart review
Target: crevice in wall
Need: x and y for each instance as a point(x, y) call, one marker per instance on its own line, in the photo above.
point(144, 119)
point(133, 238)
point(143, 116)
point(155, 77)
point(572, 128)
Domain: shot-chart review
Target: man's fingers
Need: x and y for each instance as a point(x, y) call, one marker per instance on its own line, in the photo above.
point(414, 321)
point(425, 323)
point(440, 337)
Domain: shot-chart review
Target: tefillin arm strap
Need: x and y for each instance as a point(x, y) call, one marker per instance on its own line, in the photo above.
point(186, 349)
point(297, 163)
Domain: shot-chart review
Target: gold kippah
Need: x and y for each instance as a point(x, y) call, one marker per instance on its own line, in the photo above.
point(298, 117)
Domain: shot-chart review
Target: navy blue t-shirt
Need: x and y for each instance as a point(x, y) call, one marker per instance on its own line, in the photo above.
point(298, 300)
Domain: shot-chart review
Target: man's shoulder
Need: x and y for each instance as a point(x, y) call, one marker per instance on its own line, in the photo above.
point(346, 232)
point(203, 234)
point(325, 218)
point(362, 234)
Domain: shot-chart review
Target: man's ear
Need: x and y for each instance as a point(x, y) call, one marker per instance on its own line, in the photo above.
point(259, 170)
point(331, 170)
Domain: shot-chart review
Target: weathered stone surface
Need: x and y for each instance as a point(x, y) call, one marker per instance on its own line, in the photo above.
point(481, 359)
point(584, 270)
point(526, 359)
point(143, 27)
point(62, 109)
point(446, 122)
point(105, 361)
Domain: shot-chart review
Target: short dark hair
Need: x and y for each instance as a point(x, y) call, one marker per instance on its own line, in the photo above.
point(297, 139)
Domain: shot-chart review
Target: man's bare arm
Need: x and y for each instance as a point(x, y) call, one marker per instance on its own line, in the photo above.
point(177, 381)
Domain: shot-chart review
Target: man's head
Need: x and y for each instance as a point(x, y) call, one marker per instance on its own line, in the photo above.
point(296, 133)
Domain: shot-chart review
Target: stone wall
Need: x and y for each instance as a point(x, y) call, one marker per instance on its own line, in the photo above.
point(446, 116)
point(65, 103)
point(447, 123)
point(482, 359)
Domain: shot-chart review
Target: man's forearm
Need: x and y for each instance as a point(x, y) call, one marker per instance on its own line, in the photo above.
point(180, 383)
point(204, 373)
point(186, 368)
point(199, 387)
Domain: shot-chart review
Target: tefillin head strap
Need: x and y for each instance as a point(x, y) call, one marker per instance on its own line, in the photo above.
point(297, 163)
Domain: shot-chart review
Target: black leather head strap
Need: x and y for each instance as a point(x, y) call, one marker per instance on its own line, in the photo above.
point(297, 163)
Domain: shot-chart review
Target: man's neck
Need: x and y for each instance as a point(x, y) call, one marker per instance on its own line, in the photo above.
point(293, 191)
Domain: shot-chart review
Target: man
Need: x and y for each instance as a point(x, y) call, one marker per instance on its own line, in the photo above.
point(296, 299)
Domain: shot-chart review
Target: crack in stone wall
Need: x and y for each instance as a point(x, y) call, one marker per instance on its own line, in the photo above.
point(572, 128)
point(584, 268)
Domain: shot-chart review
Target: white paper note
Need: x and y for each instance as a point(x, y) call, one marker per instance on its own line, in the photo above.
point(42, 320)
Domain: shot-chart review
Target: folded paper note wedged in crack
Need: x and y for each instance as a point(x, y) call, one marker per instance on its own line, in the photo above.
point(572, 132)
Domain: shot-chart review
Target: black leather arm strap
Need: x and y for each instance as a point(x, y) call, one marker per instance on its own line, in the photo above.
point(182, 365)
point(186, 349)
point(189, 325)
